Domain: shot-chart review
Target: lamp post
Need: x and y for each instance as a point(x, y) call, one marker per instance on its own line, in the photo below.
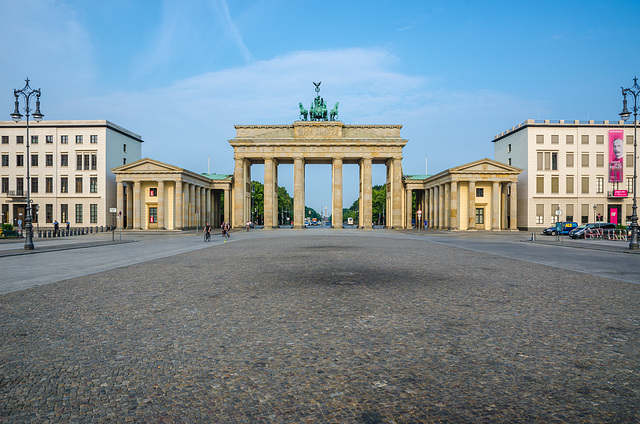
point(26, 93)
point(595, 218)
point(625, 114)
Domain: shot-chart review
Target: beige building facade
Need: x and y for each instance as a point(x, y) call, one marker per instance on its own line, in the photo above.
point(566, 168)
point(152, 195)
point(70, 170)
point(474, 196)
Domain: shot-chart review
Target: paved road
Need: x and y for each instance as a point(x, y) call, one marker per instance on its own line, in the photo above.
point(329, 327)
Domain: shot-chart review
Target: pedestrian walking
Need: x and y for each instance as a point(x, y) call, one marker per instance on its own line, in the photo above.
point(55, 227)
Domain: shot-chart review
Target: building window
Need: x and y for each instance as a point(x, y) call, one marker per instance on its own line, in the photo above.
point(539, 184)
point(79, 162)
point(599, 184)
point(630, 185)
point(64, 212)
point(555, 139)
point(5, 139)
point(93, 184)
point(34, 139)
point(5, 184)
point(48, 213)
point(569, 160)
point(539, 214)
point(64, 139)
point(124, 161)
point(94, 162)
point(48, 139)
point(540, 160)
point(585, 160)
point(584, 139)
point(508, 148)
point(78, 184)
point(49, 184)
point(153, 215)
point(78, 139)
point(5, 160)
point(34, 160)
point(64, 160)
point(569, 188)
point(64, 185)
point(124, 148)
point(630, 160)
point(34, 184)
point(540, 139)
point(569, 139)
point(153, 192)
point(600, 160)
point(479, 215)
point(93, 139)
point(78, 214)
point(585, 185)
point(509, 161)
point(19, 186)
point(93, 213)
point(20, 139)
point(48, 159)
point(86, 162)
point(554, 161)
point(600, 139)
point(554, 218)
point(555, 183)
point(19, 160)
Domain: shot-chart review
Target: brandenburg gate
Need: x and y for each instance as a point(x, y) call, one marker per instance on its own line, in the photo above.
point(316, 142)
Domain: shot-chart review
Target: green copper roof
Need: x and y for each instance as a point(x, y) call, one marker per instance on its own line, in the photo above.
point(416, 177)
point(217, 176)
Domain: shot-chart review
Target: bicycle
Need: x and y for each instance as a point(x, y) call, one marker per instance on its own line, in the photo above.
point(207, 236)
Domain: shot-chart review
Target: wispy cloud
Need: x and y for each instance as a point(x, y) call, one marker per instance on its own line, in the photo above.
point(232, 29)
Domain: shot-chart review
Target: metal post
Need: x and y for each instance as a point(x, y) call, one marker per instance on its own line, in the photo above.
point(625, 114)
point(27, 92)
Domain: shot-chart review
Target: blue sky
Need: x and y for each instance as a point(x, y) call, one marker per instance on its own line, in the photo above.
point(454, 74)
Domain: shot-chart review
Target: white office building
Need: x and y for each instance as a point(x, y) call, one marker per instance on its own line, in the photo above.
point(70, 170)
point(581, 170)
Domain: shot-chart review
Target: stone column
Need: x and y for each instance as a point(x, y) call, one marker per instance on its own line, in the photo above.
point(238, 195)
point(495, 206)
point(161, 205)
point(137, 206)
point(396, 193)
point(186, 196)
point(471, 216)
point(431, 220)
point(447, 206)
point(120, 199)
point(227, 205)
point(178, 207)
point(441, 206)
point(336, 193)
point(298, 192)
point(269, 191)
point(367, 194)
point(455, 213)
point(503, 206)
point(208, 195)
point(192, 205)
point(408, 208)
point(129, 189)
point(197, 207)
point(513, 221)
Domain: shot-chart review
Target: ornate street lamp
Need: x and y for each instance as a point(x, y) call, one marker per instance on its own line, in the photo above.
point(625, 114)
point(27, 92)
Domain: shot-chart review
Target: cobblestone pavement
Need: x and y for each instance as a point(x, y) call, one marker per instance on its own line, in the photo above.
point(324, 329)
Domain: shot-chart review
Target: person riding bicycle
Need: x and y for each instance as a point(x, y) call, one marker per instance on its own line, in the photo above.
point(207, 230)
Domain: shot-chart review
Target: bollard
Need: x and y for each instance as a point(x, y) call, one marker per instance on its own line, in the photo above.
point(533, 237)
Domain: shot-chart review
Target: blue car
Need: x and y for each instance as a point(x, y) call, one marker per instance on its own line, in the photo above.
point(565, 228)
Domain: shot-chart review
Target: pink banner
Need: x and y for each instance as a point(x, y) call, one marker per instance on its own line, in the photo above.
point(616, 155)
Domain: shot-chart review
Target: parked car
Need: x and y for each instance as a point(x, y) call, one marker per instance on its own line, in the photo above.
point(565, 228)
point(581, 231)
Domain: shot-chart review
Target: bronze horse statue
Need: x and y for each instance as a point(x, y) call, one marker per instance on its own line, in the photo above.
point(333, 115)
point(303, 113)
